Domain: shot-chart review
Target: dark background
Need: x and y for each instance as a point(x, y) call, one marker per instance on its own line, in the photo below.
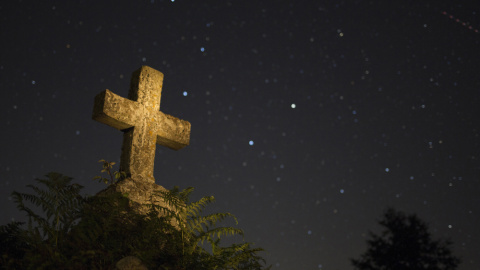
point(385, 113)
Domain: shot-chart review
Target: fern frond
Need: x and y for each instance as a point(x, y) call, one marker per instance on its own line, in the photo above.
point(185, 194)
point(212, 219)
point(60, 203)
point(195, 208)
point(217, 233)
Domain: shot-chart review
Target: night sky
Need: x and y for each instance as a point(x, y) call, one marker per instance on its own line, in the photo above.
point(309, 118)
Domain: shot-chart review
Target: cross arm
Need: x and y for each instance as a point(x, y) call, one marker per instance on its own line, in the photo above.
point(172, 132)
point(114, 110)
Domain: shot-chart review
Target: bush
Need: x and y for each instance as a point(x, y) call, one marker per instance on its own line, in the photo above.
point(82, 232)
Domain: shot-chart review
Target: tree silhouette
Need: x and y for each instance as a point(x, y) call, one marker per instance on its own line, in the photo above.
point(405, 244)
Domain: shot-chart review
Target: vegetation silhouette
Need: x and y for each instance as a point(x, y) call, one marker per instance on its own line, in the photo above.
point(405, 243)
point(72, 231)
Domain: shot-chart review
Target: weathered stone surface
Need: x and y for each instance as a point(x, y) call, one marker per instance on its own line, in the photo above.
point(140, 193)
point(143, 124)
point(130, 263)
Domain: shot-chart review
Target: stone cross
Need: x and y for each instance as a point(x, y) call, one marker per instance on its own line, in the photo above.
point(142, 123)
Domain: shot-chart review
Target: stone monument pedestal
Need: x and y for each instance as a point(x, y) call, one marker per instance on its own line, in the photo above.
point(140, 193)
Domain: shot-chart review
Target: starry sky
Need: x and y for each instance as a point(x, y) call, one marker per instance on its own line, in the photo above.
point(309, 118)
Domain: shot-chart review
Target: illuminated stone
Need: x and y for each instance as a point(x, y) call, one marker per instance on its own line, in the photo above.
point(143, 124)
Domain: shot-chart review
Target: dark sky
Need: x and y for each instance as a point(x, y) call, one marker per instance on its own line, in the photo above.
point(350, 107)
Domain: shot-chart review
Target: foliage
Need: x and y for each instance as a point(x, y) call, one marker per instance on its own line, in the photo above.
point(12, 245)
point(196, 229)
point(60, 203)
point(405, 244)
point(75, 232)
point(107, 168)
